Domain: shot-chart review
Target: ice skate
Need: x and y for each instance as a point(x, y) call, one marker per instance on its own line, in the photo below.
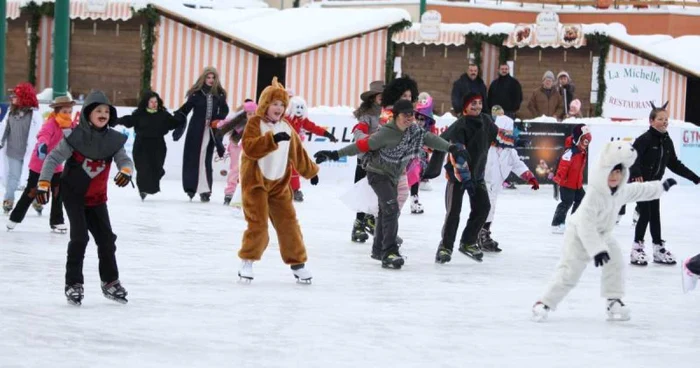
point(114, 291)
point(617, 311)
point(302, 275)
point(689, 279)
point(245, 273)
point(559, 229)
point(638, 257)
point(443, 255)
point(10, 225)
point(472, 251)
point(486, 243)
point(540, 312)
point(7, 206)
point(358, 232)
point(191, 195)
point(227, 200)
point(425, 186)
point(205, 197)
point(416, 207)
point(74, 294)
point(370, 223)
point(393, 261)
point(298, 196)
point(59, 228)
point(143, 196)
point(662, 255)
point(38, 207)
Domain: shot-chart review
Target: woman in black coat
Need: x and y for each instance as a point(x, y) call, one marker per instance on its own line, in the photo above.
point(151, 122)
point(207, 102)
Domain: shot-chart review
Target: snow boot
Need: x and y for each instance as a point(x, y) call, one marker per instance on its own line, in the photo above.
point(486, 243)
point(663, 256)
point(74, 294)
point(416, 207)
point(358, 232)
point(114, 291)
point(298, 196)
point(302, 275)
point(540, 311)
point(443, 255)
point(472, 251)
point(617, 310)
point(245, 273)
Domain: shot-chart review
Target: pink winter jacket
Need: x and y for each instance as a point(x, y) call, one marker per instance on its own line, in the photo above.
point(50, 134)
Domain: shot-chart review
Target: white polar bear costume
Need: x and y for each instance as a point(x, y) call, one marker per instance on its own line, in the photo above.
point(500, 163)
point(590, 230)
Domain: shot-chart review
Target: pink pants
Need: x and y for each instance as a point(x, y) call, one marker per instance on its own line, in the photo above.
point(234, 154)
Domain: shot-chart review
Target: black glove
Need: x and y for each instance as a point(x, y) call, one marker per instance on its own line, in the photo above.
point(177, 133)
point(314, 180)
point(282, 136)
point(330, 136)
point(601, 258)
point(668, 183)
point(696, 181)
point(322, 156)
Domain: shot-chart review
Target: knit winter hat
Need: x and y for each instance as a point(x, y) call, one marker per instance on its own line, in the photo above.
point(575, 107)
point(581, 131)
point(275, 91)
point(548, 75)
point(402, 107)
point(425, 105)
point(564, 74)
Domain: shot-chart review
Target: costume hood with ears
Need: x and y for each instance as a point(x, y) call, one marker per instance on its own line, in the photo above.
point(275, 91)
point(614, 153)
point(297, 108)
point(663, 107)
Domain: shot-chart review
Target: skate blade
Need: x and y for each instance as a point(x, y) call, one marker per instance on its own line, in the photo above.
point(476, 258)
point(244, 280)
point(618, 318)
point(74, 302)
point(115, 299)
point(303, 282)
point(666, 263)
point(640, 264)
point(536, 317)
point(56, 231)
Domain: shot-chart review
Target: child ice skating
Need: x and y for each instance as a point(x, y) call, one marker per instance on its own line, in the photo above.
point(19, 130)
point(89, 152)
point(414, 172)
point(271, 152)
point(387, 153)
point(58, 125)
point(589, 233)
point(569, 176)
point(234, 127)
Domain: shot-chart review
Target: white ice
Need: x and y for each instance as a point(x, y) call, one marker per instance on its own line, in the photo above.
point(178, 261)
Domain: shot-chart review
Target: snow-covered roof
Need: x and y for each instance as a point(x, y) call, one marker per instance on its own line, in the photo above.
point(282, 33)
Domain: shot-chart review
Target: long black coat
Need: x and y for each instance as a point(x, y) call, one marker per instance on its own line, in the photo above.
point(149, 146)
point(506, 92)
point(655, 152)
point(193, 152)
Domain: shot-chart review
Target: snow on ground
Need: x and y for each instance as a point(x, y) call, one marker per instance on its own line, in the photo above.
point(178, 261)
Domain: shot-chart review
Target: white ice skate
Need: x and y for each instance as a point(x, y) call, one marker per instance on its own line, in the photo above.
point(662, 255)
point(425, 185)
point(638, 257)
point(617, 310)
point(302, 275)
point(246, 272)
point(11, 225)
point(416, 207)
point(689, 279)
point(59, 229)
point(559, 229)
point(540, 312)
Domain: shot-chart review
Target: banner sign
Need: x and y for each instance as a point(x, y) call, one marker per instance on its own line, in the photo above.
point(540, 147)
point(631, 89)
point(546, 32)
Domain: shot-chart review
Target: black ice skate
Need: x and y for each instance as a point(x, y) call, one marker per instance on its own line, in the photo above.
point(205, 197)
point(298, 196)
point(358, 232)
point(443, 255)
point(38, 207)
point(472, 251)
point(370, 223)
point(302, 275)
point(486, 243)
point(227, 200)
point(191, 195)
point(114, 291)
point(74, 294)
point(143, 196)
point(393, 261)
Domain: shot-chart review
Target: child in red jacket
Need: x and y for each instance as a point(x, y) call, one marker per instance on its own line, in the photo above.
point(569, 175)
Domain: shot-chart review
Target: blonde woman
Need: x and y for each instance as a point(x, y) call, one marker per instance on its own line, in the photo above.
point(206, 99)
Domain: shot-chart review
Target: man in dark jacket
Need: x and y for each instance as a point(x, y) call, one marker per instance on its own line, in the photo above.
point(655, 152)
point(469, 82)
point(476, 131)
point(506, 91)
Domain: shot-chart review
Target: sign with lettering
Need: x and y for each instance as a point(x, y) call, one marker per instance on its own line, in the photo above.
point(547, 28)
point(631, 89)
point(430, 25)
point(547, 32)
point(97, 6)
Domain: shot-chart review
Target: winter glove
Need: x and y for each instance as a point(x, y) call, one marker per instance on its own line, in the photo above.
point(530, 179)
point(330, 136)
point(42, 192)
point(123, 178)
point(322, 156)
point(177, 133)
point(601, 258)
point(314, 180)
point(282, 136)
point(42, 151)
point(668, 183)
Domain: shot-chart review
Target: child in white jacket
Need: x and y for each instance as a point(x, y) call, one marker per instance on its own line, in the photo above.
point(589, 233)
point(499, 164)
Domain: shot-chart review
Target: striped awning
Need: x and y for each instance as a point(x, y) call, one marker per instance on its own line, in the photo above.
point(81, 9)
point(12, 9)
point(446, 37)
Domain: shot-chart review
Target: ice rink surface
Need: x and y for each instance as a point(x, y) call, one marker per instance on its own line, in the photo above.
point(178, 260)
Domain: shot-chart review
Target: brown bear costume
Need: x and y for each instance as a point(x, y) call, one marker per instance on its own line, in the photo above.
point(265, 171)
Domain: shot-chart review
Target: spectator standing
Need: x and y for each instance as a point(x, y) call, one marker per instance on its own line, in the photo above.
point(567, 89)
point(546, 100)
point(506, 92)
point(469, 82)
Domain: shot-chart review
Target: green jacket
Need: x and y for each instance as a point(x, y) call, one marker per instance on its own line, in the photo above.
point(386, 138)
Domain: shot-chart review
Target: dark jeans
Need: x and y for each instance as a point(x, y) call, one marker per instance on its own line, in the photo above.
point(480, 207)
point(694, 264)
point(360, 173)
point(96, 221)
point(649, 214)
point(387, 223)
point(56, 217)
point(569, 198)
